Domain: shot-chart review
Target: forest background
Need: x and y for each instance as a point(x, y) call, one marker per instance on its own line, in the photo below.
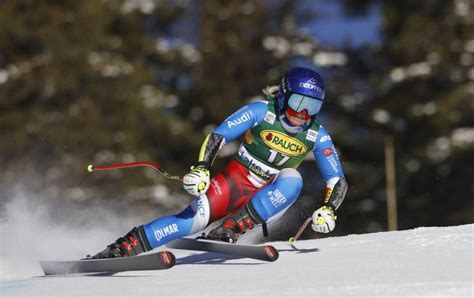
point(116, 81)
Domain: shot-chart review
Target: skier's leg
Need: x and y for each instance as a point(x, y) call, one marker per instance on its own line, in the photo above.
point(273, 200)
point(209, 207)
point(191, 220)
point(226, 193)
point(160, 231)
point(229, 191)
point(267, 205)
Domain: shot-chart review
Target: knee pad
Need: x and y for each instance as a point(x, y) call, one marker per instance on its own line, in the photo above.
point(273, 200)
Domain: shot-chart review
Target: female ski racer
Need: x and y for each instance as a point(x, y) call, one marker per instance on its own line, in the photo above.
point(262, 181)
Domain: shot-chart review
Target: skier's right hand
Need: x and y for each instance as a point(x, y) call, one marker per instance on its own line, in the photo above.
point(196, 182)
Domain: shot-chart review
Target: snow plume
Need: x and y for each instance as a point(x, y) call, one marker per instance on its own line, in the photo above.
point(35, 228)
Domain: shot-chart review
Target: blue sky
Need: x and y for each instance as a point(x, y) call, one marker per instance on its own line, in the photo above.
point(333, 28)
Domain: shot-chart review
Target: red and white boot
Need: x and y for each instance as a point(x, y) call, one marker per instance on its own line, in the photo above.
point(236, 224)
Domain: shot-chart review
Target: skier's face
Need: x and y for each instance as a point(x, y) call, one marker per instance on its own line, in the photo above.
point(296, 119)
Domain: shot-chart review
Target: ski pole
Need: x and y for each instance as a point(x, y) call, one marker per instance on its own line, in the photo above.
point(92, 168)
point(293, 239)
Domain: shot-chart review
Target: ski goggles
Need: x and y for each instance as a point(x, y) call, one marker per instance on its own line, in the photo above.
point(299, 103)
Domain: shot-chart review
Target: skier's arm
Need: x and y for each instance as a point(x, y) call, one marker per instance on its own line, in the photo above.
point(243, 119)
point(231, 128)
point(331, 170)
point(324, 218)
point(209, 149)
point(196, 182)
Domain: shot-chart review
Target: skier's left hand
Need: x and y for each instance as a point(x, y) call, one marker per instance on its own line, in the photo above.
point(324, 220)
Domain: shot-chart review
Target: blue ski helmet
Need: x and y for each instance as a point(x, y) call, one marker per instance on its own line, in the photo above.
point(301, 89)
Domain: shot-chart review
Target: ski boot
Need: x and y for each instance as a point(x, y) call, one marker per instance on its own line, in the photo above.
point(235, 225)
point(133, 243)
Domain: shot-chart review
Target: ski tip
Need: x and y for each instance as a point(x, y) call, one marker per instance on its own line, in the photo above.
point(168, 258)
point(272, 253)
point(90, 168)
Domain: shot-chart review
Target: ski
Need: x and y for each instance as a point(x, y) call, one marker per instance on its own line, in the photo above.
point(259, 252)
point(154, 261)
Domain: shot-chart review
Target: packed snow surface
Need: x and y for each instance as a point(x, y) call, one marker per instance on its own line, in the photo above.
point(435, 261)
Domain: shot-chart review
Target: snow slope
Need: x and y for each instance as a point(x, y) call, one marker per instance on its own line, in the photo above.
point(420, 262)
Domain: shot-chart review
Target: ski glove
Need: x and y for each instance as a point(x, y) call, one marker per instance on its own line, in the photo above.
point(196, 182)
point(324, 220)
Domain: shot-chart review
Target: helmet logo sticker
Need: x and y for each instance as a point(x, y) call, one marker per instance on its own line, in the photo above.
point(311, 86)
